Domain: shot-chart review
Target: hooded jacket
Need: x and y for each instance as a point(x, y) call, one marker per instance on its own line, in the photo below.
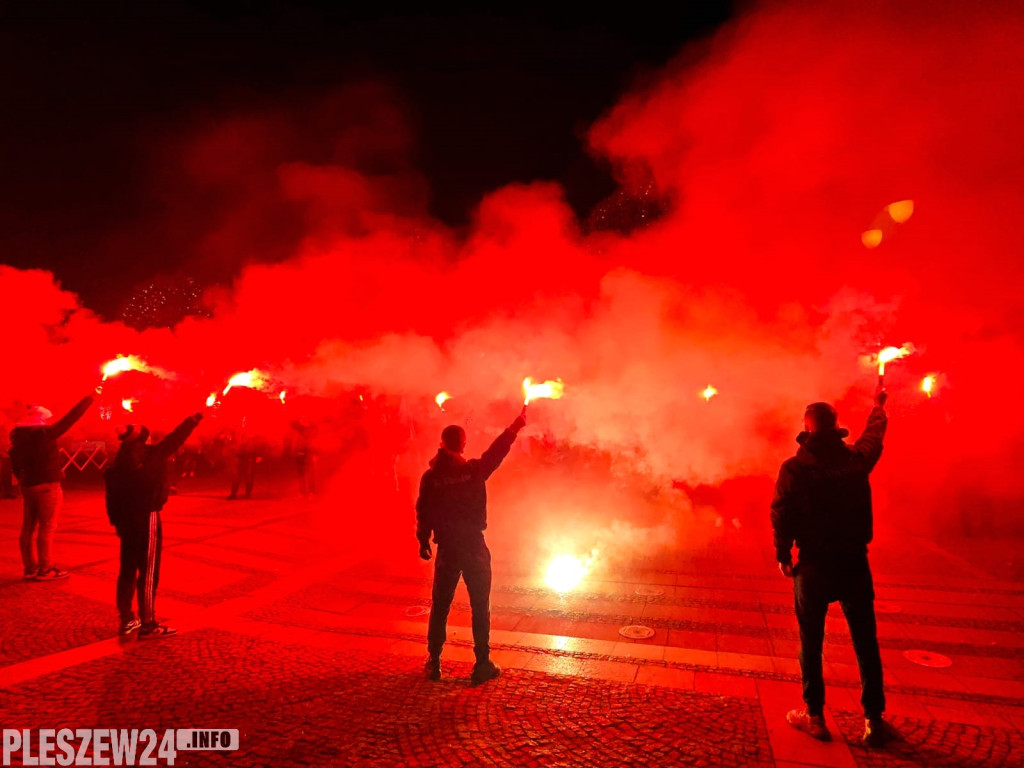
point(137, 481)
point(35, 458)
point(822, 499)
point(452, 502)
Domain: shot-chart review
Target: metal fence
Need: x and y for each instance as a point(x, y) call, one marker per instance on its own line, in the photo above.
point(83, 454)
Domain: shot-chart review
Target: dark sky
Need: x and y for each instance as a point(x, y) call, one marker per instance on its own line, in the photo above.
point(85, 84)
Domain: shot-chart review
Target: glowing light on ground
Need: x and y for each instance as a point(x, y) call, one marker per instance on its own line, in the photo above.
point(565, 572)
point(709, 392)
point(550, 389)
point(900, 211)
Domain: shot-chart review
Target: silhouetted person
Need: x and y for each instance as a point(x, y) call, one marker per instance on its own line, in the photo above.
point(7, 487)
point(452, 505)
point(301, 445)
point(137, 486)
point(822, 502)
point(242, 452)
point(35, 461)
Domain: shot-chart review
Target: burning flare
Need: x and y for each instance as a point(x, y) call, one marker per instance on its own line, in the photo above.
point(565, 572)
point(127, 403)
point(928, 384)
point(889, 354)
point(709, 392)
point(254, 379)
point(123, 363)
point(211, 400)
point(552, 389)
point(441, 399)
point(281, 396)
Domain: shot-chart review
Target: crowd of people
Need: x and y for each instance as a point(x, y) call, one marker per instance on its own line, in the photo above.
point(821, 512)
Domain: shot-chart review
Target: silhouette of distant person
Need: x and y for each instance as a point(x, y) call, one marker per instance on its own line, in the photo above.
point(137, 485)
point(452, 506)
point(822, 503)
point(242, 452)
point(301, 445)
point(7, 486)
point(35, 461)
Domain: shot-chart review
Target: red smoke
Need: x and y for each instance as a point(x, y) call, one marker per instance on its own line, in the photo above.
point(773, 155)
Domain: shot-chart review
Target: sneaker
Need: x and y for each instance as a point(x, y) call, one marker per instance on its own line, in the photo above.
point(160, 630)
point(432, 668)
point(484, 671)
point(30, 574)
point(812, 725)
point(875, 732)
point(127, 627)
point(51, 574)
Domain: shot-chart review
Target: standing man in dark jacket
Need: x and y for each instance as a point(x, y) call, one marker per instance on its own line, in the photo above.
point(35, 461)
point(137, 486)
point(822, 503)
point(452, 505)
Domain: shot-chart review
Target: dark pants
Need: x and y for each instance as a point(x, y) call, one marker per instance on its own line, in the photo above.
point(41, 506)
point(243, 474)
point(471, 561)
point(141, 544)
point(814, 587)
point(305, 464)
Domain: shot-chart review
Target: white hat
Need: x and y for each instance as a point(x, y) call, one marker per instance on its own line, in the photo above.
point(34, 416)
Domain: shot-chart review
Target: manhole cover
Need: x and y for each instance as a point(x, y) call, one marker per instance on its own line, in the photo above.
point(636, 632)
point(927, 658)
point(416, 610)
point(884, 607)
point(649, 591)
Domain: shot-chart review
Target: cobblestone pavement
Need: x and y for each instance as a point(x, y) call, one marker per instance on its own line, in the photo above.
point(313, 649)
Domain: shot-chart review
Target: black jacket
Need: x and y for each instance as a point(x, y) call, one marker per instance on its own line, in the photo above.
point(137, 482)
point(452, 502)
point(822, 498)
point(35, 458)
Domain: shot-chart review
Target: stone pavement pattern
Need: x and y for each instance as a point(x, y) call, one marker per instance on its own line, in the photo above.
point(313, 650)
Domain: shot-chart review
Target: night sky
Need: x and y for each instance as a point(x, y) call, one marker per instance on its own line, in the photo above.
point(96, 94)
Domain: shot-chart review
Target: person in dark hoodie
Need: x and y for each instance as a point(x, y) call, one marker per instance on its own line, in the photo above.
point(35, 461)
point(452, 505)
point(822, 503)
point(137, 486)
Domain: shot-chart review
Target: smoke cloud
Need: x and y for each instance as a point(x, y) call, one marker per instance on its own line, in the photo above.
point(772, 154)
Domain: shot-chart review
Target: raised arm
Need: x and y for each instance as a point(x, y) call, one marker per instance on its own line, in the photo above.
point(166, 447)
point(68, 420)
point(869, 444)
point(498, 450)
